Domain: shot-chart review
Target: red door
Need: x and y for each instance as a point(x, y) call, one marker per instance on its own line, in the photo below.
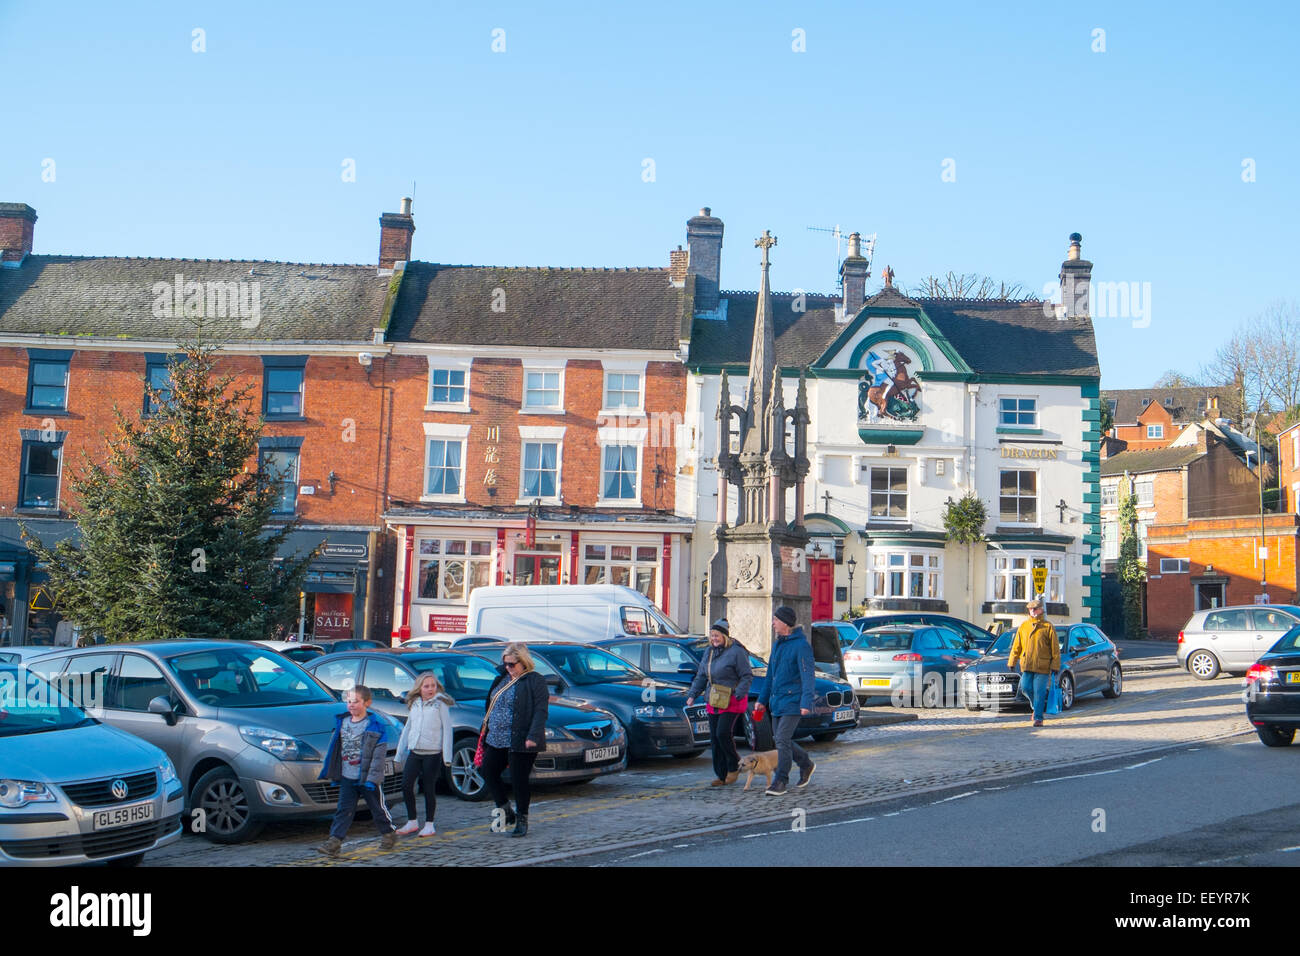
point(823, 589)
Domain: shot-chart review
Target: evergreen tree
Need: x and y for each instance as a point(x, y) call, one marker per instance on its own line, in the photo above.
point(1132, 570)
point(173, 525)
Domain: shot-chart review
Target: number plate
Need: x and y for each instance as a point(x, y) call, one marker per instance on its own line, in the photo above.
point(603, 753)
point(998, 688)
point(1293, 677)
point(700, 727)
point(845, 714)
point(123, 816)
point(875, 682)
point(388, 767)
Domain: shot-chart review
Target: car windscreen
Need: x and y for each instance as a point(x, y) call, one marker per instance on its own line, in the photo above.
point(245, 676)
point(585, 666)
point(884, 641)
point(1288, 643)
point(1003, 644)
point(701, 648)
point(29, 704)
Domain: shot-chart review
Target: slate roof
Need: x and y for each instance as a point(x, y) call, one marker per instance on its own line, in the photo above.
point(544, 308)
point(1155, 459)
point(992, 337)
point(113, 297)
point(1131, 402)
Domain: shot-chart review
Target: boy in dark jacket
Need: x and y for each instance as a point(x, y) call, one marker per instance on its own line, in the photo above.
point(790, 692)
point(355, 760)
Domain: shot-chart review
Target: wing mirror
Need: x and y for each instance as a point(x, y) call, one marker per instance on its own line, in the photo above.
point(554, 683)
point(162, 706)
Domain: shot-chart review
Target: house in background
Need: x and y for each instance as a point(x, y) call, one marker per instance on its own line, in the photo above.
point(1146, 418)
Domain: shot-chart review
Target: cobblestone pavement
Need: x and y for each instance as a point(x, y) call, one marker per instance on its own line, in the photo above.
point(661, 798)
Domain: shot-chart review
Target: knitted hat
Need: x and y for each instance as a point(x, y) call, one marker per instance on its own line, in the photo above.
point(721, 625)
point(785, 614)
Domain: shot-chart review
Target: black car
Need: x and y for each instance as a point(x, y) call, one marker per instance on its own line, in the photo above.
point(676, 658)
point(1089, 665)
point(978, 637)
point(1273, 691)
point(654, 713)
point(582, 742)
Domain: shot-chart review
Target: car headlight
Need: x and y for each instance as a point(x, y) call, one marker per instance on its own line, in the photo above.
point(278, 745)
point(554, 733)
point(19, 793)
point(167, 771)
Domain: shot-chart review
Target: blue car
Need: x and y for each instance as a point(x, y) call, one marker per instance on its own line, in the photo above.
point(667, 657)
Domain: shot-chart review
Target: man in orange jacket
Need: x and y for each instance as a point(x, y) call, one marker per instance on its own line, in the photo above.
point(1039, 653)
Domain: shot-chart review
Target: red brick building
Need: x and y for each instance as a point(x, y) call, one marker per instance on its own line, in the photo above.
point(1288, 452)
point(1147, 418)
point(1212, 562)
point(80, 335)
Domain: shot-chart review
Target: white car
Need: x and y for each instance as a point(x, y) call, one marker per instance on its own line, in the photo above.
point(73, 790)
point(1230, 639)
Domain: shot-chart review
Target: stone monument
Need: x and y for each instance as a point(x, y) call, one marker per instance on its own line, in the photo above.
point(760, 563)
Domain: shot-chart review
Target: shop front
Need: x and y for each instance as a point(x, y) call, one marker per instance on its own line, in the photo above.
point(443, 558)
point(333, 599)
point(27, 611)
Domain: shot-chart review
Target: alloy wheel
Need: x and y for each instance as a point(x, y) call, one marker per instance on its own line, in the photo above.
point(465, 777)
point(225, 806)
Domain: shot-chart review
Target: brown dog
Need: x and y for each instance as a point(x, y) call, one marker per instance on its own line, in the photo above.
point(763, 764)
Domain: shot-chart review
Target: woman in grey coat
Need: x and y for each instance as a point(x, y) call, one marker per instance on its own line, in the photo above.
point(725, 670)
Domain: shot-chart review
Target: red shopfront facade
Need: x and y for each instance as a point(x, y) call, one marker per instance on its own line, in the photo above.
point(441, 560)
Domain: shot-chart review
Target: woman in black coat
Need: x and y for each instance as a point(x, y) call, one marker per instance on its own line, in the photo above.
point(514, 732)
point(725, 671)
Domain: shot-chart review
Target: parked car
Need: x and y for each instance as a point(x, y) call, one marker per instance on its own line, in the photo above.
point(295, 650)
point(1273, 691)
point(912, 664)
point(246, 727)
point(1232, 638)
point(846, 630)
point(979, 637)
point(1089, 665)
point(654, 713)
point(582, 742)
point(447, 640)
point(75, 790)
point(25, 653)
point(571, 613)
point(835, 706)
point(346, 644)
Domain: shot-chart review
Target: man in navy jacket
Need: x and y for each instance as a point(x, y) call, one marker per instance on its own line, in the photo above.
point(789, 689)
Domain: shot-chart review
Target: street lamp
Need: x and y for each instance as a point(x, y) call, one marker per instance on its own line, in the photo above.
point(852, 567)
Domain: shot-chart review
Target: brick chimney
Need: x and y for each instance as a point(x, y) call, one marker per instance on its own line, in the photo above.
point(395, 231)
point(679, 261)
point(704, 237)
point(854, 272)
point(17, 226)
point(1076, 281)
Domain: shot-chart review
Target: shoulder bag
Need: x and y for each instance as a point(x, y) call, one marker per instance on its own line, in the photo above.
point(482, 734)
point(719, 694)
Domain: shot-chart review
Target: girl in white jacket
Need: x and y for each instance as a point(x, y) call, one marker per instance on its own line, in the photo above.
point(424, 744)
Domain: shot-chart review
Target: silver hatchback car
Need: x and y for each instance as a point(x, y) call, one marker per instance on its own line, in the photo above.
point(246, 727)
point(1230, 639)
point(73, 790)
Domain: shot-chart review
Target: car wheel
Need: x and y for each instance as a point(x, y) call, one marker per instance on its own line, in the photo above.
point(1116, 683)
point(1203, 665)
point(1067, 692)
point(227, 816)
point(932, 692)
point(759, 735)
point(826, 738)
point(466, 780)
point(1275, 736)
point(690, 755)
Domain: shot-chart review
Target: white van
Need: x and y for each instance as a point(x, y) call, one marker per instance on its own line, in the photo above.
point(578, 613)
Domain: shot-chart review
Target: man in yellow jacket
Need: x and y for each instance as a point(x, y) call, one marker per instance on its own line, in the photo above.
point(1039, 653)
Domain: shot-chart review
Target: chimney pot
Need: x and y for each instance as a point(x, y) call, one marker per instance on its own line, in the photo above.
point(395, 232)
point(854, 272)
point(17, 229)
point(1076, 281)
point(406, 205)
point(704, 241)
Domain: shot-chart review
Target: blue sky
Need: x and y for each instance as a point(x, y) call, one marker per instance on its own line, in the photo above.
point(536, 155)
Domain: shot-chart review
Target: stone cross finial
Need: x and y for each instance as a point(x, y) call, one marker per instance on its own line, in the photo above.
point(765, 241)
point(888, 275)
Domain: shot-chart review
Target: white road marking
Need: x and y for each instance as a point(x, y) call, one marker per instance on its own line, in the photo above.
point(645, 853)
point(957, 797)
point(1101, 773)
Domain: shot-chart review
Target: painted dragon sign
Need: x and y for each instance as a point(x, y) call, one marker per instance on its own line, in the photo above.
point(888, 392)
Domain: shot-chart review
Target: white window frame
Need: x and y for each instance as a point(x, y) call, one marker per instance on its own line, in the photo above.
point(622, 368)
point(1145, 501)
point(1038, 499)
point(1110, 542)
point(883, 570)
point(621, 438)
point(1111, 492)
point(447, 364)
point(1002, 423)
point(907, 494)
point(1295, 497)
point(542, 435)
point(1002, 565)
point(541, 368)
point(1174, 566)
point(420, 559)
point(437, 431)
point(1295, 449)
point(1156, 431)
point(608, 562)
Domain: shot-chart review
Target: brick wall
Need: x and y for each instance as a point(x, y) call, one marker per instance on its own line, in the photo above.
point(1228, 545)
point(1288, 471)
